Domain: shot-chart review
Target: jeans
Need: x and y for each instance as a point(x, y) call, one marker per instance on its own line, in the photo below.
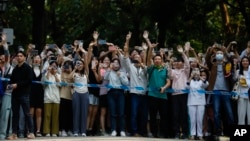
point(116, 101)
point(5, 117)
point(139, 113)
point(80, 103)
point(24, 102)
point(21, 125)
point(225, 100)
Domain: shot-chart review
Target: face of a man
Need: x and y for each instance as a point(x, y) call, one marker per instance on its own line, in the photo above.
point(157, 60)
point(20, 58)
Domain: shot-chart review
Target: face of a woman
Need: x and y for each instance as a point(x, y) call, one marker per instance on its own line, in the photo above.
point(203, 75)
point(116, 65)
point(53, 69)
point(37, 59)
point(194, 64)
point(245, 63)
point(79, 65)
point(106, 61)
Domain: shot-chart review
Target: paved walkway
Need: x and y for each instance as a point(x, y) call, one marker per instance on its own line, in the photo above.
point(102, 138)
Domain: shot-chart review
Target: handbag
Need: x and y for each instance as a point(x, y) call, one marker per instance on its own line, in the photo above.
point(235, 91)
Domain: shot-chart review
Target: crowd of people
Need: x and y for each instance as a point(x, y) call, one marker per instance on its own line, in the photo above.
point(107, 90)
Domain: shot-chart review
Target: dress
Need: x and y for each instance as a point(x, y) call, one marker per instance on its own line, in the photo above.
point(37, 92)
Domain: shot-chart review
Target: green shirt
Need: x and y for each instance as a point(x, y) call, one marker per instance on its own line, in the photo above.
point(157, 79)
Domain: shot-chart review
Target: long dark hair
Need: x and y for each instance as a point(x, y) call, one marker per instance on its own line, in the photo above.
point(241, 66)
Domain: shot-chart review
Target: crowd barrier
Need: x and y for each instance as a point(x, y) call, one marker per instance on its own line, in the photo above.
point(169, 90)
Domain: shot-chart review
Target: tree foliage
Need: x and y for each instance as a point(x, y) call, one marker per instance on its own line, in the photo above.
point(169, 22)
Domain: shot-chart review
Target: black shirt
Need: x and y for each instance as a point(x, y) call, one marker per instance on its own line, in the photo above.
point(22, 76)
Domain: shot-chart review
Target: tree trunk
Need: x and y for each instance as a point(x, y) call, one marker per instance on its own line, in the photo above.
point(225, 20)
point(38, 26)
point(245, 15)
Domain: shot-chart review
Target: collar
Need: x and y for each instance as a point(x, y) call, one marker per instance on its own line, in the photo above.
point(158, 67)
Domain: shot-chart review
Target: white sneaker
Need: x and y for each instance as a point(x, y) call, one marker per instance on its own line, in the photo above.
point(84, 135)
point(75, 135)
point(63, 133)
point(113, 134)
point(122, 134)
point(47, 135)
point(54, 135)
point(70, 134)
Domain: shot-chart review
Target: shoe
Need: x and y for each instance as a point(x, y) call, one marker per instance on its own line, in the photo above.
point(191, 138)
point(63, 133)
point(177, 136)
point(75, 135)
point(12, 137)
point(21, 135)
point(103, 133)
point(137, 135)
point(70, 134)
point(30, 136)
point(84, 135)
point(89, 132)
point(47, 135)
point(150, 135)
point(38, 134)
point(113, 134)
point(122, 134)
point(200, 138)
point(184, 136)
point(54, 135)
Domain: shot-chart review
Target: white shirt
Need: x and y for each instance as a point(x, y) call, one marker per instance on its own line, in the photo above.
point(196, 97)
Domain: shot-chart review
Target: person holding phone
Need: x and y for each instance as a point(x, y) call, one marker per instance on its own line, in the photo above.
point(93, 95)
point(51, 100)
point(116, 97)
point(37, 94)
point(80, 97)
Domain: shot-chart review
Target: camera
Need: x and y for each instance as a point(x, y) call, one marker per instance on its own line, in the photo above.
point(66, 66)
point(102, 42)
point(34, 52)
point(135, 61)
point(68, 47)
point(51, 46)
point(53, 58)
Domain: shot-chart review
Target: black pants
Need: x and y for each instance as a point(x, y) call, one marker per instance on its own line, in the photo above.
point(65, 115)
point(180, 114)
point(158, 105)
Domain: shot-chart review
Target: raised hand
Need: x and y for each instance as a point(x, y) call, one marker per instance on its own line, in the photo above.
point(128, 37)
point(179, 49)
point(145, 34)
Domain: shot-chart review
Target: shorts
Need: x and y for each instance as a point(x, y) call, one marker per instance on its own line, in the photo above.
point(93, 100)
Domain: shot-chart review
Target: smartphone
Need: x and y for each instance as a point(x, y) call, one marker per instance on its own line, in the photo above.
point(93, 64)
point(53, 58)
point(52, 46)
point(34, 52)
point(102, 42)
point(138, 47)
point(112, 48)
point(68, 47)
